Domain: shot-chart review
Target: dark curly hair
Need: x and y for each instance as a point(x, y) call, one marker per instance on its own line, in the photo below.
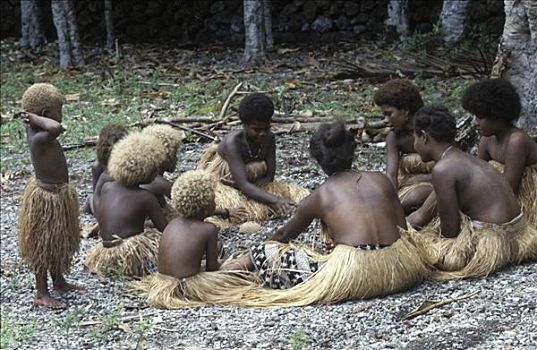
point(108, 136)
point(333, 146)
point(437, 121)
point(256, 106)
point(493, 99)
point(401, 94)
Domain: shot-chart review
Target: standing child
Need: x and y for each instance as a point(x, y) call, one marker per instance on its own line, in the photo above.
point(496, 105)
point(245, 164)
point(476, 234)
point(399, 99)
point(181, 280)
point(126, 246)
point(49, 233)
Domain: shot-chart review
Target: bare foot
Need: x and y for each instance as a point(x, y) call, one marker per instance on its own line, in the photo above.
point(67, 287)
point(91, 231)
point(48, 301)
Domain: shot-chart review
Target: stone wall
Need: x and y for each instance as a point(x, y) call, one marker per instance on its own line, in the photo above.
point(221, 20)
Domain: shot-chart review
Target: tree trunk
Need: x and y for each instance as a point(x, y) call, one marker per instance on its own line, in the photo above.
point(67, 30)
point(32, 32)
point(109, 22)
point(397, 17)
point(254, 33)
point(453, 19)
point(267, 16)
point(517, 56)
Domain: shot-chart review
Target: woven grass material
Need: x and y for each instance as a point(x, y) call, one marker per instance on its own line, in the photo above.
point(479, 250)
point(49, 231)
point(202, 289)
point(135, 256)
point(409, 166)
point(348, 273)
point(527, 192)
point(229, 197)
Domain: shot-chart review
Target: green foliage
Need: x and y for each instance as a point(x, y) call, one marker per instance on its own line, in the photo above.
point(109, 322)
point(298, 339)
point(117, 271)
point(141, 328)
point(68, 321)
point(14, 333)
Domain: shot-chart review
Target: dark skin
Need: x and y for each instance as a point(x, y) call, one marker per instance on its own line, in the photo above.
point(357, 207)
point(400, 140)
point(507, 144)
point(459, 181)
point(50, 169)
point(183, 245)
point(255, 142)
point(117, 218)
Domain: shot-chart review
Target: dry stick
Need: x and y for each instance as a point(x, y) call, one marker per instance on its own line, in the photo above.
point(126, 318)
point(194, 131)
point(85, 143)
point(160, 84)
point(428, 305)
point(228, 100)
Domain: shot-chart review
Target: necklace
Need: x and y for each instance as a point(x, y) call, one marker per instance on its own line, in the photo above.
point(250, 153)
point(445, 152)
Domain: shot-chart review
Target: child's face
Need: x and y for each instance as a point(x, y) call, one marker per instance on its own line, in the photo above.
point(421, 145)
point(257, 130)
point(486, 127)
point(395, 118)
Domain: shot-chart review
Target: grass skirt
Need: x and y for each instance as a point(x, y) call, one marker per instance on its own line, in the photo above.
point(479, 250)
point(49, 231)
point(230, 197)
point(527, 192)
point(411, 165)
point(135, 256)
point(204, 288)
point(349, 273)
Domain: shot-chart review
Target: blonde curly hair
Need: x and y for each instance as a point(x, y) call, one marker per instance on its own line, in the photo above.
point(132, 160)
point(42, 96)
point(193, 193)
point(170, 137)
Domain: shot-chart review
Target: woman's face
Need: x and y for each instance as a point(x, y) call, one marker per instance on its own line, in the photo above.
point(395, 118)
point(257, 130)
point(421, 146)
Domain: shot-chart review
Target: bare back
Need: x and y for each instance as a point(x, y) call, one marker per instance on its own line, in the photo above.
point(122, 211)
point(182, 246)
point(357, 207)
point(470, 185)
point(47, 156)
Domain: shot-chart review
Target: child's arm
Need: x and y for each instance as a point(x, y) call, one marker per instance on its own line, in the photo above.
point(445, 187)
point(159, 186)
point(231, 213)
point(96, 170)
point(49, 128)
point(154, 211)
point(304, 215)
point(212, 251)
point(392, 167)
point(516, 155)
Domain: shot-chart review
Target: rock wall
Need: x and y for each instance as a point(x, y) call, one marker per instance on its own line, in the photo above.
point(221, 20)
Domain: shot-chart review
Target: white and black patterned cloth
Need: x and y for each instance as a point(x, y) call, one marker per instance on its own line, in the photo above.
point(376, 246)
point(292, 268)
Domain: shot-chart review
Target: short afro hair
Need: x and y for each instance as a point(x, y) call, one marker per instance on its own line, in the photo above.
point(256, 106)
point(131, 161)
point(41, 96)
point(108, 137)
point(170, 137)
point(401, 94)
point(332, 145)
point(493, 99)
point(437, 121)
point(192, 193)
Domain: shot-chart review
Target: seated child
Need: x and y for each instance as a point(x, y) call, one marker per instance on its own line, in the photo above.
point(245, 164)
point(181, 280)
point(476, 234)
point(496, 105)
point(48, 220)
point(399, 99)
point(108, 136)
point(123, 207)
point(373, 254)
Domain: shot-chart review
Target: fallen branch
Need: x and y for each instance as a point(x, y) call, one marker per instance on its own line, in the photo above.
point(160, 84)
point(194, 131)
point(428, 305)
point(123, 319)
point(89, 142)
point(228, 100)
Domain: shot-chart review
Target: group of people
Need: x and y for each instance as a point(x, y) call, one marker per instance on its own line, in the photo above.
point(438, 213)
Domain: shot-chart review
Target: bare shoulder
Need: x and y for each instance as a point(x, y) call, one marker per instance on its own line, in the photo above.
point(206, 229)
point(520, 138)
point(447, 168)
point(230, 141)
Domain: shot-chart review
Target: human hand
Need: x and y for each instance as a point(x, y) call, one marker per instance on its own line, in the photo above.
point(239, 213)
point(283, 207)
